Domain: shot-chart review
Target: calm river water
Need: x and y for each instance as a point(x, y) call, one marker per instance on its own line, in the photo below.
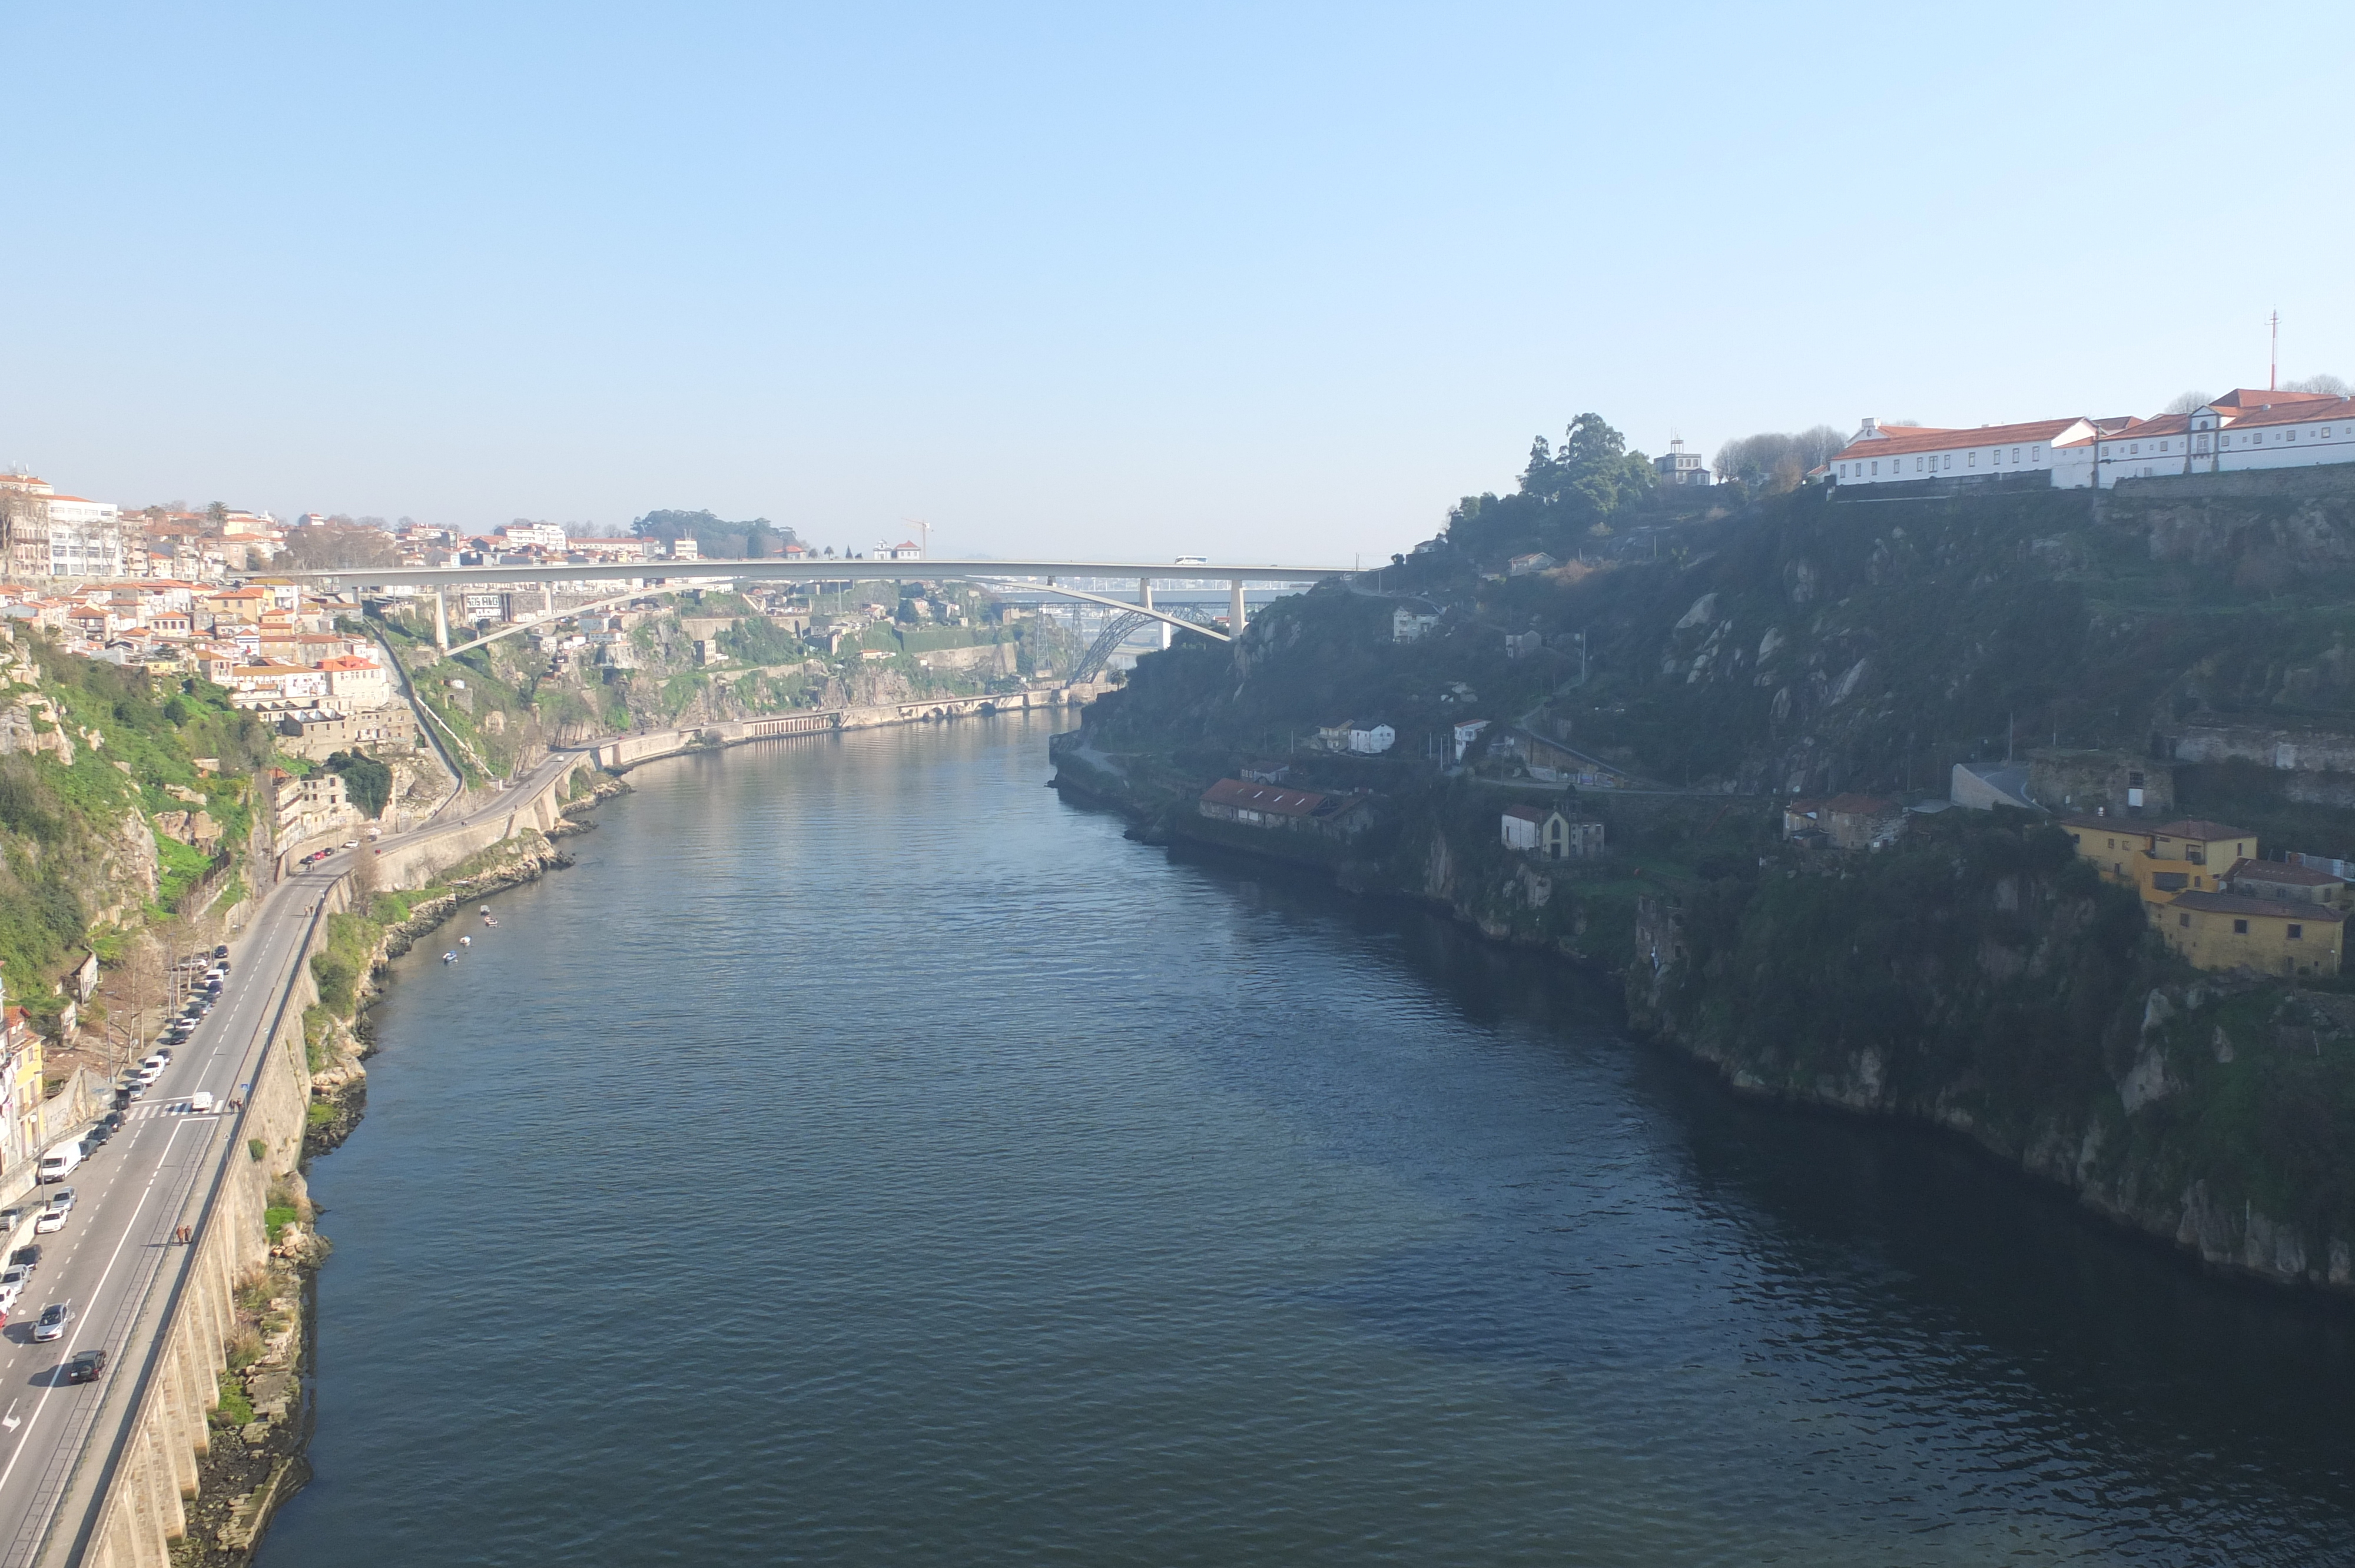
point(862, 1157)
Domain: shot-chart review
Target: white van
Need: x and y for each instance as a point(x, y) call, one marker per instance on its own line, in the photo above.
point(58, 1163)
point(200, 1103)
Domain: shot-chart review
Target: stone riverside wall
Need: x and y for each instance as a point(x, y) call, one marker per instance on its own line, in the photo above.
point(423, 856)
point(125, 1502)
point(629, 751)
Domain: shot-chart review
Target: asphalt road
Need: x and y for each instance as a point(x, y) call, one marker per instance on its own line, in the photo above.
point(130, 1195)
point(115, 1255)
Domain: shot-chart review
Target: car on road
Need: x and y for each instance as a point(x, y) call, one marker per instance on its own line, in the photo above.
point(28, 1257)
point(112, 1121)
point(55, 1317)
point(161, 1053)
point(100, 1131)
point(221, 951)
point(351, 844)
point(200, 1103)
point(131, 1089)
point(86, 1366)
point(50, 1221)
point(12, 1282)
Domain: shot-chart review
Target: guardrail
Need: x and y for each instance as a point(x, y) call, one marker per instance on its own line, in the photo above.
point(95, 1522)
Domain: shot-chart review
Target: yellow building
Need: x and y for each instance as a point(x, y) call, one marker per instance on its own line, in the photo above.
point(2185, 856)
point(2227, 932)
point(2112, 844)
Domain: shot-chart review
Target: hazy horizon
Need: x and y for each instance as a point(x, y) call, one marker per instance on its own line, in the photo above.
point(1267, 285)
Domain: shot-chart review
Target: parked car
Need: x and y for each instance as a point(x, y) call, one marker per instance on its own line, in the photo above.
point(50, 1221)
point(55, 1317)
point(164, 1052)
point(100, 1131)
point(112, 1121)
point(221, 951)
point(27, 1257)
point(12, 1282)
point(86, 1366)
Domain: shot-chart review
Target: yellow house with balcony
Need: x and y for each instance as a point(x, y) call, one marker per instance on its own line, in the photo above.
point(2228, 931)
point(2186, 856)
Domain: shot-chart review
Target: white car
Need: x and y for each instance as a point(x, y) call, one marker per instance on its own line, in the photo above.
point(12, 1285)
point(51, 1221)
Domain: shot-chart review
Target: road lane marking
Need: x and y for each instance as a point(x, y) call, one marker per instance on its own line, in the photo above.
point(10, 1420)
point(66, 1349)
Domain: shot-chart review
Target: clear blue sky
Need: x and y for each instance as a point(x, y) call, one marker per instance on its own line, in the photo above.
point(1267, 282)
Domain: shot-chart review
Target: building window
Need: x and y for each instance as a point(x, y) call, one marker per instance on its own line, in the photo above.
point(2240, 927)
point(2298, 933)
point(2134, 450)
point(1876, 465)
point(1971, 461)
point(2015, 454)
point(2036, 454)
point(2184, 921)
point(1917, 465)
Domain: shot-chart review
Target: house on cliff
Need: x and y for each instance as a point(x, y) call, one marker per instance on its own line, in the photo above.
point(1273, 808)
point(2286, 882)
point(2272, 937)
point(1850, 821)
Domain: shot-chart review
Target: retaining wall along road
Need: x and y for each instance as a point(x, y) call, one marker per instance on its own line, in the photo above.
point(125, 1502)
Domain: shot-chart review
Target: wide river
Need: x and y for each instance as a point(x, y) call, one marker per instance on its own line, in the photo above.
point(862, 1157)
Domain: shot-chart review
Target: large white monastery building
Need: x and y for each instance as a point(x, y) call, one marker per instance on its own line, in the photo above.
point(2246, 429)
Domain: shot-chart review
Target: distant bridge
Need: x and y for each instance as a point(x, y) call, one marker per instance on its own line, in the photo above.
point(1025, 574)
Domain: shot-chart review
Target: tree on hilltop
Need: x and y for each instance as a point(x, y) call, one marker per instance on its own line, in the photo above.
point(714, 537)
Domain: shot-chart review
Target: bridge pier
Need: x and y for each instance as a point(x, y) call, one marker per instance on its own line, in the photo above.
point(441, 620)
point(1235, 609)
point(1145, 601)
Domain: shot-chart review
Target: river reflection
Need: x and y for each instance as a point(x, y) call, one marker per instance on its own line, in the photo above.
point(862, 1155)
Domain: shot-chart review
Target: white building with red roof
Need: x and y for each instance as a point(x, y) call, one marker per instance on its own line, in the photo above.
point(2246, 428)
point(2060, 450)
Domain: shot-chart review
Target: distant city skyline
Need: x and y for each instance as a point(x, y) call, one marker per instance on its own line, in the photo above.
point(1226, 281)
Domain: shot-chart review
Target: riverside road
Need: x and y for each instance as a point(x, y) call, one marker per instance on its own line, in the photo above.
point(115, 1261)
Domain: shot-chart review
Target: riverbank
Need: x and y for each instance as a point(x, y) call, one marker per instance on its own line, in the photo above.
point(257, 1457)
point(2023, 1010)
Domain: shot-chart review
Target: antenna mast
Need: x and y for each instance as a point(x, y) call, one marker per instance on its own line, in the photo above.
point(2273, 359)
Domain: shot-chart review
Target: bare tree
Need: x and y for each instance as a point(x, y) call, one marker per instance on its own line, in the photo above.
point(2331, 384)
point(2185, 402)
point(366, 877)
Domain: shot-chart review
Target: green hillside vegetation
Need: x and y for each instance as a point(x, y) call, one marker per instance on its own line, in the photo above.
point(77, 838)
point(1737, 645)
